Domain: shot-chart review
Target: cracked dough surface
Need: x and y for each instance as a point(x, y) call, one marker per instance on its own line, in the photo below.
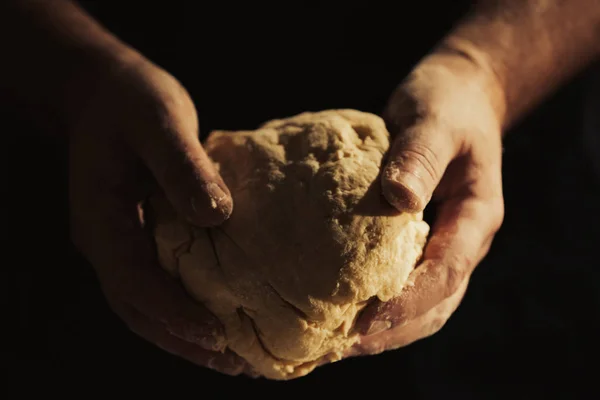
point(310, 241)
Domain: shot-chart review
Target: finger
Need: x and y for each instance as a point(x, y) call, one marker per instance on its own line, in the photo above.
point(416, 163)
point(418, 328)
point(461, 237)
point(129, 267)
point(106, 227)
point(181, 166)
point(225, 362)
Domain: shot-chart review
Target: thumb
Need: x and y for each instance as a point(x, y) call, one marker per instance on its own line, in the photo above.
point(187, 175)
point(417, 161)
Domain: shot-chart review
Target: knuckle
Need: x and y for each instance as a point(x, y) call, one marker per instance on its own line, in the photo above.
point(418, 155)
point(496, 218)
point(436, 325)
point(496, 214)
point(456, 273)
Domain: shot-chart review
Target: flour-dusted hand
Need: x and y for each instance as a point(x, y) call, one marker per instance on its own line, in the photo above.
point(139, 134)
point(132, 130)
point(448, 117)
point(447, 149)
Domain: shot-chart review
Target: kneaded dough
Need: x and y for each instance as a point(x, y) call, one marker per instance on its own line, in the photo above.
point(310, 242)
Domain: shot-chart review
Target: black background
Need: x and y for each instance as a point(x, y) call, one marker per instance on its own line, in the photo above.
point(529, 322)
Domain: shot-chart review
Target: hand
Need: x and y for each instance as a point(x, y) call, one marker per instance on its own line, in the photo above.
point(139, 133)
point(446, 118)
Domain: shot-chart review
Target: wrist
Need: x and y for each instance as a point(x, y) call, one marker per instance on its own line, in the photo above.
point(449, 84)
point(475, 63)
point(58, 57)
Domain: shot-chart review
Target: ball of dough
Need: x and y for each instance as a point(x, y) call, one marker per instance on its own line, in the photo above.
point(310, 242)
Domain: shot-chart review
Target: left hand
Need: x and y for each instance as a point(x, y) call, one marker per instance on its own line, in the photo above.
point(447, 118)
point(138, 136)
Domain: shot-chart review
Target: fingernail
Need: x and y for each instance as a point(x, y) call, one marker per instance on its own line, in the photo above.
point(378, 326)
point(405, 189)
point(219, 200)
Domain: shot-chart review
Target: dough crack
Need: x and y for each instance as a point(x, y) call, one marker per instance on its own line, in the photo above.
point(180, 251)
point(244, 315)
point(211, 239)
point(311, 244)
point(295, 309)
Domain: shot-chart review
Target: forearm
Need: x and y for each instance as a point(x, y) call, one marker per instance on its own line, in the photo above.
point(529, 46)
point(54, 54)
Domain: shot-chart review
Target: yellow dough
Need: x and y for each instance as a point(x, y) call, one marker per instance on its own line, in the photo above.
point(311, 239)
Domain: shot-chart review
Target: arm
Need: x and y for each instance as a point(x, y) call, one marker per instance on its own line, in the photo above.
point(448, 116)
point(133, 131)
point(530, 46)
point(53, 53)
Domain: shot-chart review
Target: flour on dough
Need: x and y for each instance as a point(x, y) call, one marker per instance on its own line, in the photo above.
point(311, 239)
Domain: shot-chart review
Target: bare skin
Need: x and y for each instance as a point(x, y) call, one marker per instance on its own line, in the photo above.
point(449, 116)
point(133, 129)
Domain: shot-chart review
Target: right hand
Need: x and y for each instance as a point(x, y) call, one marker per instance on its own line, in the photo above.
point(446, 118)
point(139, 134)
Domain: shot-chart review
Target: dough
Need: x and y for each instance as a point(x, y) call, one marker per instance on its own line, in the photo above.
point(310, 242)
